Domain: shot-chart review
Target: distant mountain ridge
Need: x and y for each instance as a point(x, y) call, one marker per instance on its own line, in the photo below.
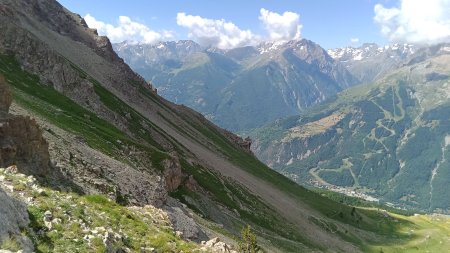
point(240, 88)
point(371, 61)
point(371, 50)
point(388, 138)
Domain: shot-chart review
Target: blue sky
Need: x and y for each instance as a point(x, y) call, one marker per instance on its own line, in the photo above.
point(231, 23)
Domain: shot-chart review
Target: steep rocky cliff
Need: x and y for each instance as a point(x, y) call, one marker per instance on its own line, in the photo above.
point(21, 140)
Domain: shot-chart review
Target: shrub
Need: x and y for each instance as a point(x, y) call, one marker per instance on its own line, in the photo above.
point(248, 243)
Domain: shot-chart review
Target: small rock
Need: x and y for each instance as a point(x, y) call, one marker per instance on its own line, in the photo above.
point(147, 250)
point(117, 237)
point(100, 229)
point(48, 216)
point(88, 238)
point(30, 181)
point(212, 242)
point(48, 224)
point(40, 191)
point(215, 245)
point(56, 221)
point(29, 200)
point(9, 188)
point(222, 247)
point(12, 169)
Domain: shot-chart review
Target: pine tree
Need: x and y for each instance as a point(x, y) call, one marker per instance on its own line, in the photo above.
point(248, 243)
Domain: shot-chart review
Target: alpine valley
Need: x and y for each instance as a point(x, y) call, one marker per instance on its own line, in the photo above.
point(388, 139)
point(94, 160)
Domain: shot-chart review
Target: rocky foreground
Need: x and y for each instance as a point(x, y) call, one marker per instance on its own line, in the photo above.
point(39, 218)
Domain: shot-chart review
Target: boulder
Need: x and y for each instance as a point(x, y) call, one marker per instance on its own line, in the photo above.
point(21, 140)
point(48, 216)
point(215, 245)
point(173, 174)
point(13, 217)
point(22, 144)
point(183, 222)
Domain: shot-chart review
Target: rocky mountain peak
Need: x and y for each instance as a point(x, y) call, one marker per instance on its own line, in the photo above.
point(301, 45)
point(220, 83)
point(165, 50)
point(368, 51)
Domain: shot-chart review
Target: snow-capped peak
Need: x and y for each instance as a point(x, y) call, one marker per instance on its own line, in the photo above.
point(371, 50)
point(267, 47)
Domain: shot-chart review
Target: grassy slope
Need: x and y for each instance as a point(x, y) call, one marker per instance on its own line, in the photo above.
point(101, 135)
point(66, 114)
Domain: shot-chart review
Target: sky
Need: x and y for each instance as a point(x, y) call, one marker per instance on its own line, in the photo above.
point(232, 23)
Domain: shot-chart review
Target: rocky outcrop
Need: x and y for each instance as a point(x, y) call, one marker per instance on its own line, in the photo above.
point(51, 68)
point(173, 174)
point(215, 245)
point(13, 217)
point(245, 144)
point(183, 222)
point(21, 141)
point(97, 173)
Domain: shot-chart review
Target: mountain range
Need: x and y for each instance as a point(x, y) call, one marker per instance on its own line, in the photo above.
point(388, 138)
point(241, 88)
point(317, 148)
point(94, 160)
point(370, 62)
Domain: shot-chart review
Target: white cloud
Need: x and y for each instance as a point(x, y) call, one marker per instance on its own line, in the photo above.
point(127, 29)
point(354, 40)
point(218, 33)
point(415, 21)
point(284, 26)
